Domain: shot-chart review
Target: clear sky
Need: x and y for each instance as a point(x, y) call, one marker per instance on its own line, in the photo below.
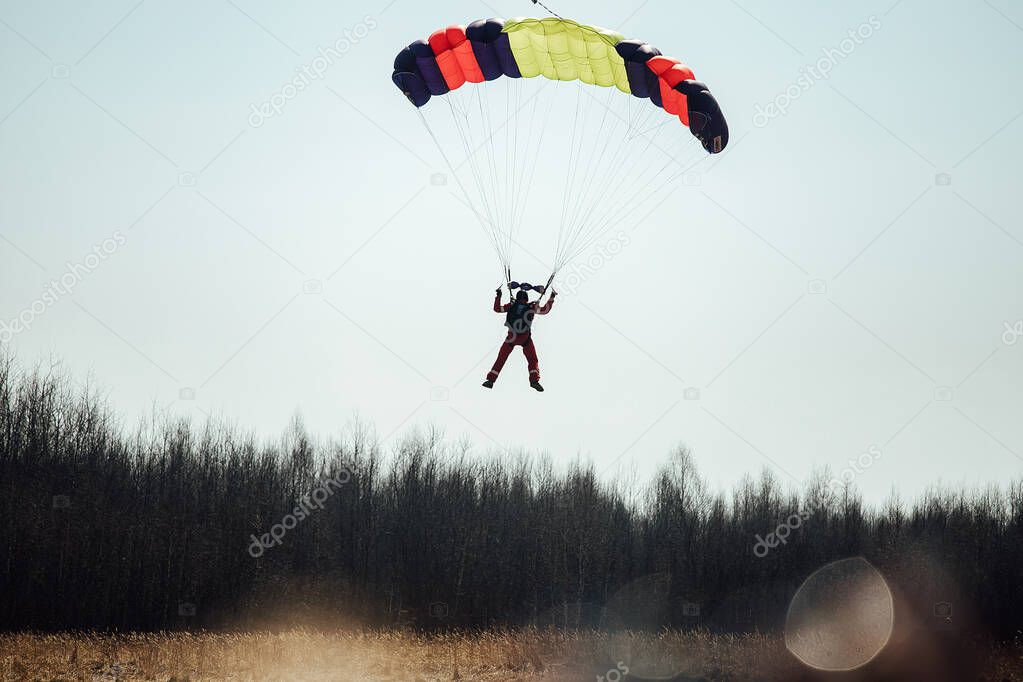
point(839, 282)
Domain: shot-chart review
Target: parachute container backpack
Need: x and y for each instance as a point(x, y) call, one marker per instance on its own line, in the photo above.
point(558, 132)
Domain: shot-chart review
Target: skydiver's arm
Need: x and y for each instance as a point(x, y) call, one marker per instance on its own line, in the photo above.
point(546, 307)
point(498, 308)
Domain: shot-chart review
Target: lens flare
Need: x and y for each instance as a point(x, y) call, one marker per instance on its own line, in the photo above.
point(841, 617)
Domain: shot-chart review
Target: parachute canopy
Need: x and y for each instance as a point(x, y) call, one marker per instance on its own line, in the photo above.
point(607, 158)
point(558, 49)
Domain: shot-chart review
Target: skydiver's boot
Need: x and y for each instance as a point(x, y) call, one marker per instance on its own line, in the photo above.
point(536, 386)
point(488, 384)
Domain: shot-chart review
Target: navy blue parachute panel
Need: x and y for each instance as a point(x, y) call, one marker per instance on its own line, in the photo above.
point(405, 61)
point(406, 77)
point(430, 72)
point(636, 54)
point(412, 86)
point(506, 56)
point(706, 121)
point(653, 86)
point(482, 35)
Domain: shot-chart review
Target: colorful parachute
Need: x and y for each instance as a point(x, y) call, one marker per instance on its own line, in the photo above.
point(558, 49)
point(597, 171)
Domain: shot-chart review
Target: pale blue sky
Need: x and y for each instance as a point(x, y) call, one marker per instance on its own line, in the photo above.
point(108, 110)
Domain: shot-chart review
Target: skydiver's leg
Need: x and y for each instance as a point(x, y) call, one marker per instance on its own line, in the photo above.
point(502, 357)
point(529, 350)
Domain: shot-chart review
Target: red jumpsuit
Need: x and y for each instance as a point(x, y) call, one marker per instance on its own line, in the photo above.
point(519, 337)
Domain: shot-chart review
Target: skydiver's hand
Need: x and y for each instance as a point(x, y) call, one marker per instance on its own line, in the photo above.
point(553, 293)
point(499, 289)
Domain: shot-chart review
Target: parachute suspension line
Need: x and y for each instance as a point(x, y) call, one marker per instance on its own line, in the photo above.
point(575, 160)
point(525, 175)
point(570, 171)
point(503, 197)
point(526, 181)
point(596, 229)
point(521, 176)
point(623, 139)
point(509, 181)
point(651, 191)
point(512, 158)
point(667, 178)
point(488, 130)
point(607, 170)
point(600, 177)
point(579, 136)
point(549, 10)
point(643, 190)
point(591, 169)
point(511, 139)
point(547, 287)
point(483, 222)
point(466, 137)
point(499, 182)
point(597, 196)
point(624, 176)
point(621, 212)
point(505, 186)
point(600, 174)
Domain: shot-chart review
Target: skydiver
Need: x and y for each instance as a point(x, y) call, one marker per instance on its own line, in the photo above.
point(519, 321)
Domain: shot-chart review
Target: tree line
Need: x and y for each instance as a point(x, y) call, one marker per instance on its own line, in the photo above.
point(174, 525)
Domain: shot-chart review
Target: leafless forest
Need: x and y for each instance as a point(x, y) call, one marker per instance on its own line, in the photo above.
point(172, 525)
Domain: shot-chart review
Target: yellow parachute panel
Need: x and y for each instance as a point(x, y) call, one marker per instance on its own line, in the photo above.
point(565, 50)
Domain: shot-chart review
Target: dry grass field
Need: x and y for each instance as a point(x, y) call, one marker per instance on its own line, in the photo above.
point(307, 655)
point(405, 656)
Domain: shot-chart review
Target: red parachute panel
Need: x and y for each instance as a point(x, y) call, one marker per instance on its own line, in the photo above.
point(455, 57)
point(670, 72)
